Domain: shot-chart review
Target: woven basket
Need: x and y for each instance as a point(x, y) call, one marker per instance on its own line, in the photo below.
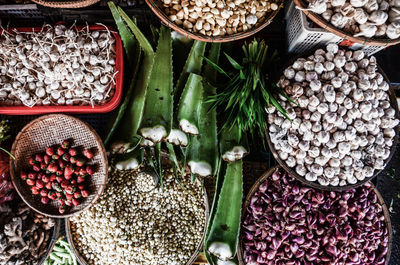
point(192, 259)
point(315, 184)
point(51, 130)
point(318, 19)
point(66, 4)
point(268, 173)
point(52, 242)
point(156, 7)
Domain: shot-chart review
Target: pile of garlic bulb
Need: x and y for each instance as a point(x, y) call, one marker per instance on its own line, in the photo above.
point(343, 127)
point(368, 18)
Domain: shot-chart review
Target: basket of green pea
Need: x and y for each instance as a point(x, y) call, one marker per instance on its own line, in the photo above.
point(61, 254)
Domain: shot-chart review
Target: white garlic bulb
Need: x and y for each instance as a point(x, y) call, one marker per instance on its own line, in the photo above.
point(393, 30)
point(367, 30)
point(378, 17)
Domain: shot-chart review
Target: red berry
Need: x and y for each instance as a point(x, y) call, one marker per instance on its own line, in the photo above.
point(38, 158)
point(81, 187)
point(55, 157)
point(31, 161)
point(46, 179)
point(62, 164)
point(30, 182)
point(73, 159)
point(36, 168)
point(68, 202)
point(84, 193)
point(65, 144)
point(59, 194)
point(68, 177)
point(60, 151)
point(56, 187)
point(45, 200)
point(23, 175)
point(61, 201)
point(61, 209)
point(43, 165)
point(66, 157)
point(80, 179)
point(35, 190)
point(32, 175)
point(53, 177)
point(69, 196)
point(80, 162)
point(89, 170)
point(88, 153)
point(43, 193)
point(69, 170)
point(73, 182)
point(59, 179)
point(77, 194)
point(46, 159)
point(73, 151)
point(52, 195)
point(48, 186)
point(52, 167)
point(70, 189)
point(76, 170)
point(75, 202)
point(59, 172)
point(50, 151)
point(39, 184)
point(64, 184)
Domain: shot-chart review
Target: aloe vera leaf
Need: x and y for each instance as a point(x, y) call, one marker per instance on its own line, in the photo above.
point(158, 109)
point(134, 55)
point(224, 233)
point(193, 65)
point(203, 151)
point(135, 113)
point(210, 73)
point(189, 104)
point(233, 147)
point(128, 40)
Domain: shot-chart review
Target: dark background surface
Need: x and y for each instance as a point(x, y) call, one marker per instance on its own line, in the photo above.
point(388, 181)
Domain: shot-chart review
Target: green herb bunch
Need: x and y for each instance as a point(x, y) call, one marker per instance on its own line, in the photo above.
point(249, 90)
point(4, 129)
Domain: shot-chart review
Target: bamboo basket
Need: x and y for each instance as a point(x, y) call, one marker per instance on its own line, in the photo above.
point(196, 259)
point(318, 19)
point(66, 4)
point(156, 7)
point(269, 173)
point(315, 184)
point(50, 130)
point(52, 242)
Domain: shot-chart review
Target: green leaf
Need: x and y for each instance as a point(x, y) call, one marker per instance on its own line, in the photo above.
point(233, 62)
point(216, 67)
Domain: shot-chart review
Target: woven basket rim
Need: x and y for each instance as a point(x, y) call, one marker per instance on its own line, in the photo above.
point(268, 174)
point(66, 4)
point(101, 151)
point(53, 240)
point(315, 184)
point(192, 259)
point(329, 27)
point(200, 37)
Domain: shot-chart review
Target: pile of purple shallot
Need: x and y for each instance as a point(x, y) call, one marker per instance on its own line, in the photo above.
point(287, 223)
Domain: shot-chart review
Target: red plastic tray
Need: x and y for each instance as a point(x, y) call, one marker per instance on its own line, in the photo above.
point(107, 107)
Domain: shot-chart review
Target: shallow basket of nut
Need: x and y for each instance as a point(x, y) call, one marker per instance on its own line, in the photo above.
point(290, 223)
point(344, 127)
point(60, 69)
point(60, 165)
point(138, 221)
point(38, 234)
point(372, 23)
point(216, 21)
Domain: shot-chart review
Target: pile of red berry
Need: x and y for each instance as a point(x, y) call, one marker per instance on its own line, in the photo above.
point(60, 174)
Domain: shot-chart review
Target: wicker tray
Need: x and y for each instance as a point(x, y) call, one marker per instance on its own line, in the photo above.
point(50, 130)
point(315, 184)
point(66, 4)
point(268, 173)
point(158, 10)
point(329, 27)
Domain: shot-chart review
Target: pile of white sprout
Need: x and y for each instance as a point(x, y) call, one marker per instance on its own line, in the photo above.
point(368, 18)
point(57, 66)
point(343, 127)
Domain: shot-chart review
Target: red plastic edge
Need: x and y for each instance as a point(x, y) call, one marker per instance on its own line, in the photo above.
point(107, 107)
